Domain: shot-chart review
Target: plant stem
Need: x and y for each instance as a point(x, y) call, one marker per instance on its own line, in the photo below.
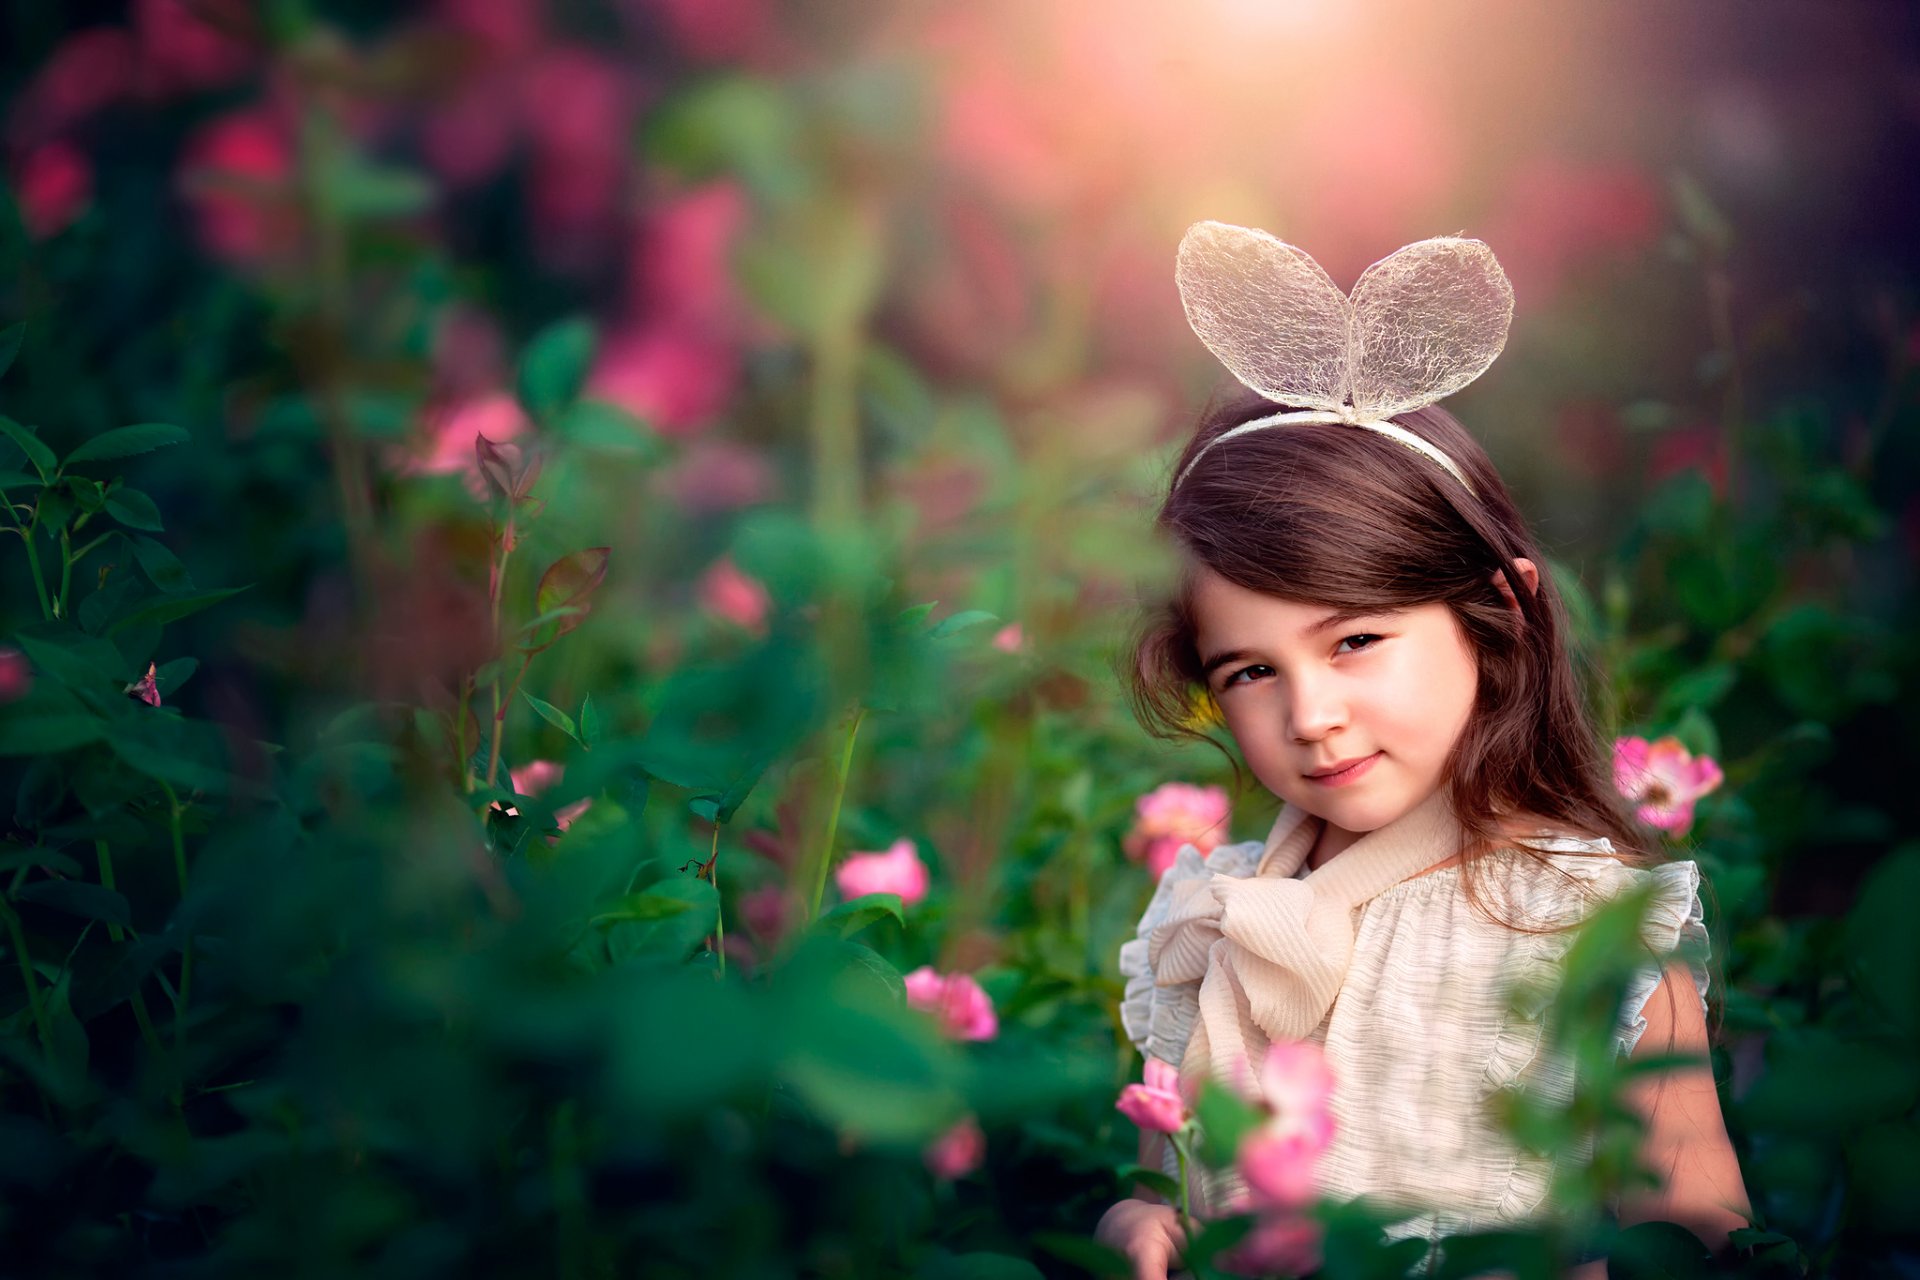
point(1186, 1186)
point(719, 913)
point(33, 563)
point(18, 941)
point(66, 571)
point(500, 717)
point(174, 810)
point(833, 816)
point(461, 757)
point(140, 1015)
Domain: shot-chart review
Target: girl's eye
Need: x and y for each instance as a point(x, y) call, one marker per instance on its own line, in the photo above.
point(1235, 677)
point(1364, 640)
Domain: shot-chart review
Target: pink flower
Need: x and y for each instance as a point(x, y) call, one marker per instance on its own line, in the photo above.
point(718, 475)
point(181, 50)
point(958, 1151)
point(716, 30)
point(16, 674)
point(468, 137)
point(683, 268)
point(766, 911)
point(237, 173)
point(1664, 779)
point(89, 70)
point(1277, 1159)
point(1175, 814)
point(674, 381)
point(1009, 639)
point(956, 1000)
point(53, 187)
point(452, 430)
point(728, 593)
point(501, 27)
point(1280, 1243)
point(1156, 1105)
point(898, 870)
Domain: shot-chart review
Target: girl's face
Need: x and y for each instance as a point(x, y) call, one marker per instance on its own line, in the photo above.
point(1351, 716)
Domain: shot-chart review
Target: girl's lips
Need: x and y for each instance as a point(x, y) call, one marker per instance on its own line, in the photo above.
point(1352, 773)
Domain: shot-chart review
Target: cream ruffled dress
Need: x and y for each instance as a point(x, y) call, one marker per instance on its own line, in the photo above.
point(1419, 1034)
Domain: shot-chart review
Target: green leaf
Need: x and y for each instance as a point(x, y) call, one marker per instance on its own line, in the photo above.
point(10, 339)
point(850, 918)
point(552, 715)
point(1084, 1252)
point(646, 905)
point(1657, 1251)
point(134, 509)
point(555, 365)
point(125, 442)
point(960, 622)
point(78, 897)
point(607, 428)
point(39, 857)
point(171, 607)
point(1154, 1180)
point(1225, 1118)
point(161, 566)
point(32, 734)
point(32, 445)
point(169, 676)
point(186, 753)
point(590, 729)
point(18, 480)
point(569, 582)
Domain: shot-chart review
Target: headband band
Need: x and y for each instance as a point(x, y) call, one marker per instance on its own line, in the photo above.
point(1302, 417)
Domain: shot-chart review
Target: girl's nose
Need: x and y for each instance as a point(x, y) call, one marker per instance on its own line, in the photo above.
point(1315, 710)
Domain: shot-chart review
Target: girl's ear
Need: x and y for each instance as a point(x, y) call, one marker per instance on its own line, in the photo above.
point(1529, 574)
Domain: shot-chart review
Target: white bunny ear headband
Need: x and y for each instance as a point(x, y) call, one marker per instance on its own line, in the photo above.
point(1422, 323)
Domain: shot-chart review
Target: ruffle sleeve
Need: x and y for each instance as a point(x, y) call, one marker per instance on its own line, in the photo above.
point(1159, 1019)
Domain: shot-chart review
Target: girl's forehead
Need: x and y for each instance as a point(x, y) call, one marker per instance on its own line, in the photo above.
point(1227, 612)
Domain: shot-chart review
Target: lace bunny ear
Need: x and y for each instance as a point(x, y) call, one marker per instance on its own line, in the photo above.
point(1271, 314)
point(1427, 320)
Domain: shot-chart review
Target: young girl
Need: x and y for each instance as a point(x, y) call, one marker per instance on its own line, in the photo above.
point(1362, 601)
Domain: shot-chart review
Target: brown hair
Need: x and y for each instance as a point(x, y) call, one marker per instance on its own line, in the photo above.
point(1341, 517)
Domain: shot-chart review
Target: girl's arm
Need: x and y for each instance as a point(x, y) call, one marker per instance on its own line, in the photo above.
point(1686, 1141)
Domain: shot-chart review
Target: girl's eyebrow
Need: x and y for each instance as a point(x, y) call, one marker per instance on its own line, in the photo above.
point(1338, 618)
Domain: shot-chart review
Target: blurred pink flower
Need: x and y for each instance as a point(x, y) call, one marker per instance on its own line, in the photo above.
point(1009, 639)
point(1558, 215)
point(718, 475)
point(716, 30)
point(536, 776)
point(672, 380)
point(1699, 446)
point(1277, 1158)
point(766, 911)
point(683, 266)
point(237, 174)
point(469, 353)
point(1175, 814)
point(89, 70)
point(452, 429)
point(575, 102)
point(1664, 779)
point(1280, 1244)
point(53, 186)
point(728, 593)
point(468, 137)
point(898, 870)
point(181, 50)
point(958, 1151)
point(16, 674)
point(1156, 1105)
point(501, 27)
point(964, 1011)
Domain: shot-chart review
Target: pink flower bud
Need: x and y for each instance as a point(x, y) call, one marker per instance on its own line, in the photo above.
point(1156, 1105)
point(16, 674)
point(898, 870)
point(958, 1151)
point(739, 598)
point(53, 187)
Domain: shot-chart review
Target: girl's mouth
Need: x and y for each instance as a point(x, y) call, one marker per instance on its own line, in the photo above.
point(1352, 773)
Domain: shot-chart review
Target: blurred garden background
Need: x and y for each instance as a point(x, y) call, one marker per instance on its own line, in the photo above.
point(510, 496)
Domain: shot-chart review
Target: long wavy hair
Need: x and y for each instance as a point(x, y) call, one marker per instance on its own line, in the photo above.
point(1345, 518)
